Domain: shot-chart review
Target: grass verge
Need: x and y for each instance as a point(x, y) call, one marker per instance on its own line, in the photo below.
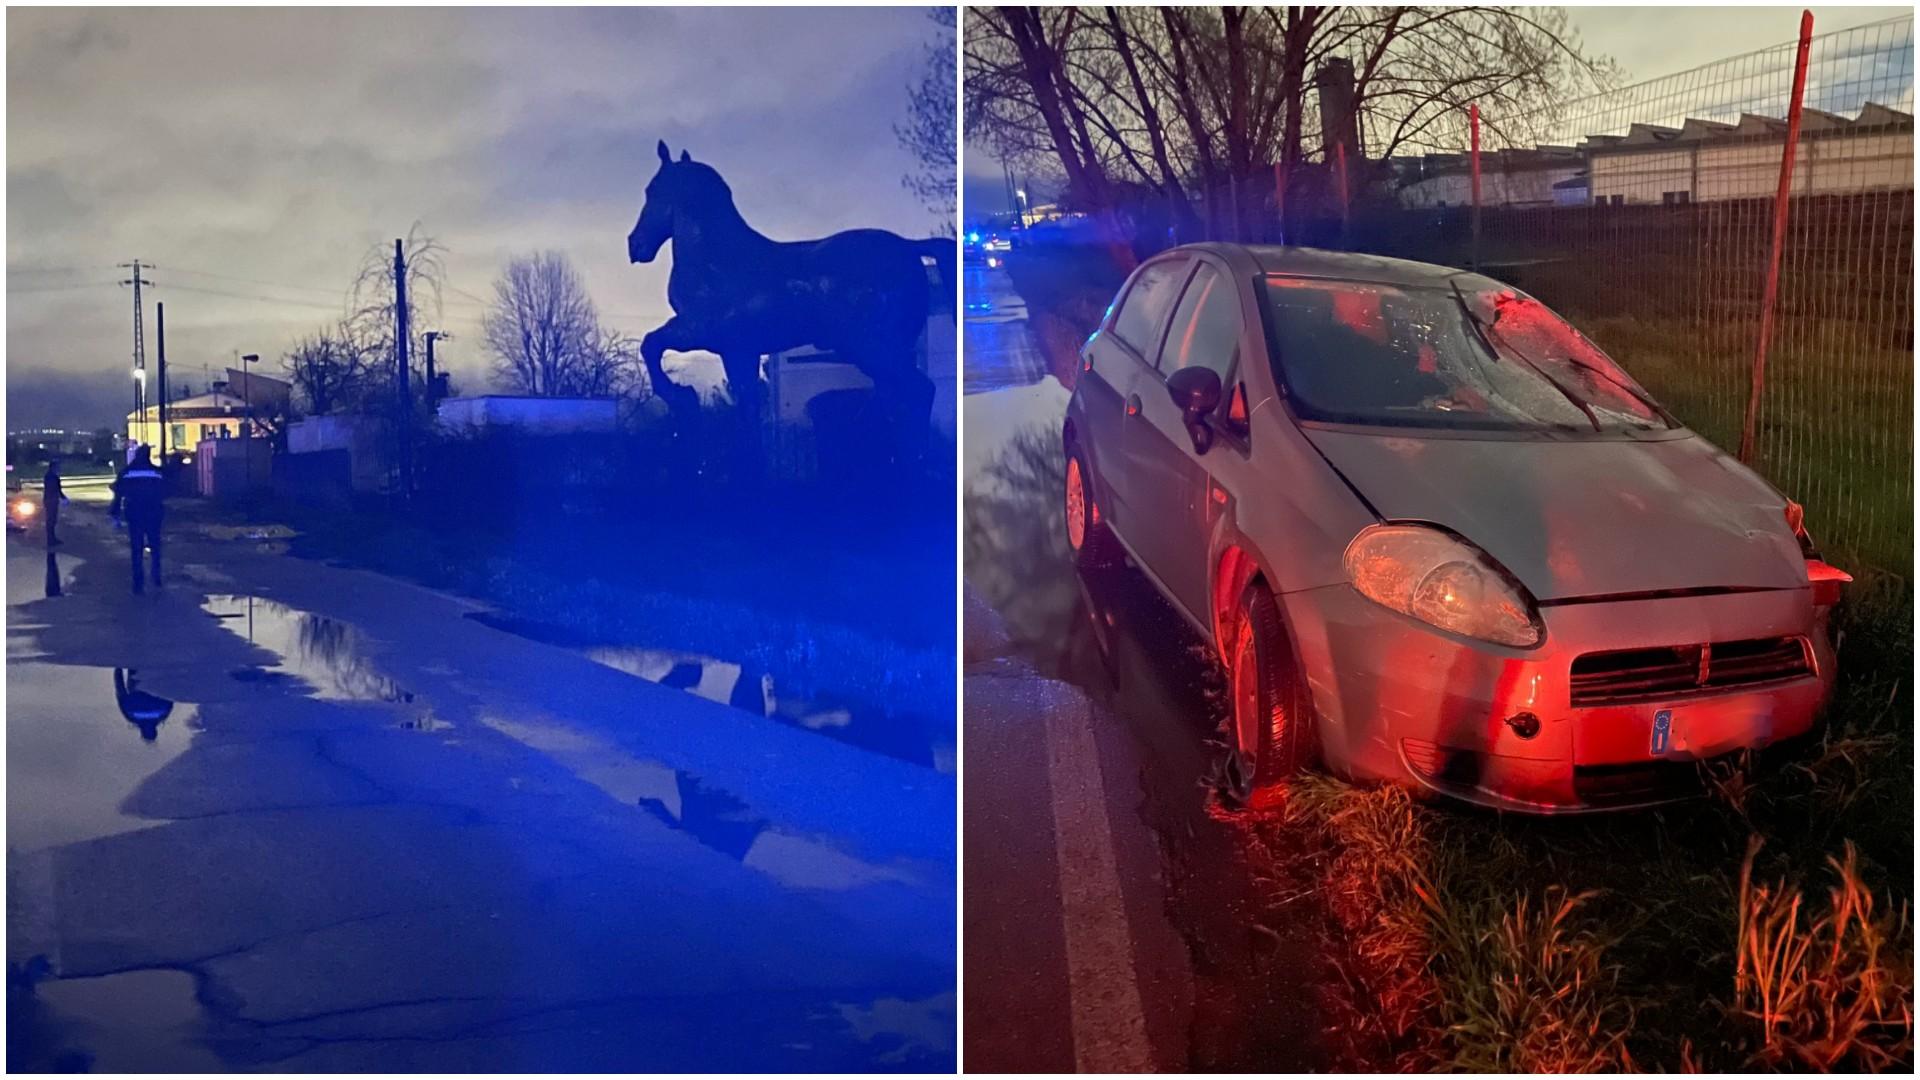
point(1765, 927)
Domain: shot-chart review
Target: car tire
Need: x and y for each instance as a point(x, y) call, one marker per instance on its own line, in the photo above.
point(1088, 537)
point(1271, 735)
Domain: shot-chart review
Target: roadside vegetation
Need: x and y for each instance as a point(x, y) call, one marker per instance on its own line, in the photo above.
point(1767, 927)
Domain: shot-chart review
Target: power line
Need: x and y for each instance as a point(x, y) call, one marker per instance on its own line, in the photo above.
point(257, 296)
point(258, 281)
point(62, 287)
point(13, 270)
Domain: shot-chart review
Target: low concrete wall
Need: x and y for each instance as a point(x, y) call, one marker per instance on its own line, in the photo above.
point(229, 468)
point(364, 438)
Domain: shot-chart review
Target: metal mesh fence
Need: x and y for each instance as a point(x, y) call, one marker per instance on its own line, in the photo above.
point(1647, 216)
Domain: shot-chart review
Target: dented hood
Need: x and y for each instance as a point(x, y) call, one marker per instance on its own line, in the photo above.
point(1584, 518)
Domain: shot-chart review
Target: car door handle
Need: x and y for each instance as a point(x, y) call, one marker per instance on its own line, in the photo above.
point(1133, 404)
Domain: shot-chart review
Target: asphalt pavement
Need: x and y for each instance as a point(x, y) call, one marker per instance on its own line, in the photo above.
point(284, 815)
point(1117, 916)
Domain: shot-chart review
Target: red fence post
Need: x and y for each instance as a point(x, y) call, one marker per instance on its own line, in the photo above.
point(1749, 428)
point(1473, 124)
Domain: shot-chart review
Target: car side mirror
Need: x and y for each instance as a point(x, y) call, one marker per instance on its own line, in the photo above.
point(1196, 393)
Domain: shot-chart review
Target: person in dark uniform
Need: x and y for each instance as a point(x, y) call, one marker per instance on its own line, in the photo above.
point(51, 498)
point(140, 491)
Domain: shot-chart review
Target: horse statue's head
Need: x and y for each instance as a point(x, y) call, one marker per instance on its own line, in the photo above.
point(680, 190)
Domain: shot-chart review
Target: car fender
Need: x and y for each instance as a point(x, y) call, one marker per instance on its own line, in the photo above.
point(1289, 508)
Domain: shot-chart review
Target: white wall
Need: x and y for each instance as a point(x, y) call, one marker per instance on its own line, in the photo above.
point(1826, 165)
point(547, 416)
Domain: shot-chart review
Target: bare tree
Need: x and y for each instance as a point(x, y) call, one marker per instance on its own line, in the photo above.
point(928, 133)
point(545, 334)
point(372, 304)
point(1194, 105)
point(328, 370)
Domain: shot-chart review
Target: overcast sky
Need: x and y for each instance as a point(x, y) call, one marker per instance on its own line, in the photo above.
point(261, 153)
point(1647, 42)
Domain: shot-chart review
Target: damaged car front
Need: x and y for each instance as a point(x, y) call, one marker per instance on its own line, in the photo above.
point(1569, 600)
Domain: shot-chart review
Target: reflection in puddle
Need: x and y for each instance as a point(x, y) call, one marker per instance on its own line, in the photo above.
point(135, 1021)
point(71, 760)
point(914, 1028)
point(35, 574)
point(755, 690)
point(143, 710)
point(714, 817)
point(326, 654)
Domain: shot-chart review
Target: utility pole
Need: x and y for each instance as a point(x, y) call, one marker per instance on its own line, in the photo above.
point(160, 339)
point(139, 340)
point(400, 373)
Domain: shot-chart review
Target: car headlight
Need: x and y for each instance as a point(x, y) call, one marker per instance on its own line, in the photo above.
point(1444, 581)
point(24, 507)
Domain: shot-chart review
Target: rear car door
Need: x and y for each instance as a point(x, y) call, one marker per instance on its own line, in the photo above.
point(1172, 493)
point(1115, 361)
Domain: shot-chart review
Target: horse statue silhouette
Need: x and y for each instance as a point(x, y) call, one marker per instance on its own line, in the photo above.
point(862, 294)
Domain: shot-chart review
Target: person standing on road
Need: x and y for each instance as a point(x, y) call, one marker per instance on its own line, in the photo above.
point(51, 499)
point(140, 490)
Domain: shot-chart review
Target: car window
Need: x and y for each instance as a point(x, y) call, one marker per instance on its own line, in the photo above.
point(1144, 310)
point(1206, 326)
point(1364, 353)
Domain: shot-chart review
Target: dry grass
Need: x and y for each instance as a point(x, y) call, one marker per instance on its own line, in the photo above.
point(1540, 996)
point(1380, 892)
point(1830, 989)
point(1467, 979)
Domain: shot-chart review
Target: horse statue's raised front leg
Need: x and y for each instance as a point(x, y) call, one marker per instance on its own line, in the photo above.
point(673, 335)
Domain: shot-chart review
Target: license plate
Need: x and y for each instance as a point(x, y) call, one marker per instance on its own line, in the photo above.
point(1662, 731)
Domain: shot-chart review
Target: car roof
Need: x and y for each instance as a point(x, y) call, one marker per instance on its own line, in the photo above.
point(1341, 265)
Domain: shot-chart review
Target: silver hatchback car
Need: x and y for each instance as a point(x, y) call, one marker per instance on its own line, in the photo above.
point(1435, 535)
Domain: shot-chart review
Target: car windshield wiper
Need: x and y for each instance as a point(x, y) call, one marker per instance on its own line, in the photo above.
point(1486, 338)
point(1637, 395)
point(1473, 319)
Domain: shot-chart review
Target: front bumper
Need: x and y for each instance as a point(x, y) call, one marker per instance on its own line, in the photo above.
point(1400, 700)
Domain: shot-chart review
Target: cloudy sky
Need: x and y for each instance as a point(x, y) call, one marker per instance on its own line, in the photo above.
point(255, 156)
point(1648, 43)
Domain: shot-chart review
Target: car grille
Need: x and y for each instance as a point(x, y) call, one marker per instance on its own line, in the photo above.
point(1606, 678)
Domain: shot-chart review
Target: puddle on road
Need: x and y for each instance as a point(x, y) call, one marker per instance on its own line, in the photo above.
point(136, 1021)
point(714, 817)
point(915, 1029)
point(79, 741)
point(324, 653)
point(906, 737)
point(33, 573)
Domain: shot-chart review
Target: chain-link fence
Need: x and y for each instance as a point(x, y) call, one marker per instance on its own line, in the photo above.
point(1647, 215)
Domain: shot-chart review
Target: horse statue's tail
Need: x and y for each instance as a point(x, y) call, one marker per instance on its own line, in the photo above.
point(941, 250)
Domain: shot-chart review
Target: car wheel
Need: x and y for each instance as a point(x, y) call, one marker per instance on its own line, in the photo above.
point(1087, 534)
point(1271, 736)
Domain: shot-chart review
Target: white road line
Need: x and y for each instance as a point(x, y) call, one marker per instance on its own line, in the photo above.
point(1109, 1025)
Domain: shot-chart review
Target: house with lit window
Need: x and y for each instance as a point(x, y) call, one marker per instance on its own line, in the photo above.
point(223, 412)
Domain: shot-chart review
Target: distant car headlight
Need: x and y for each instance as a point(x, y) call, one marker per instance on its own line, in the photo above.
point(1443, 581)
point(25, 507)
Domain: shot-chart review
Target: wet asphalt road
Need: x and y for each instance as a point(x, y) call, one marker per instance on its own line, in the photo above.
point(1117, 917)
point(281, 815)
